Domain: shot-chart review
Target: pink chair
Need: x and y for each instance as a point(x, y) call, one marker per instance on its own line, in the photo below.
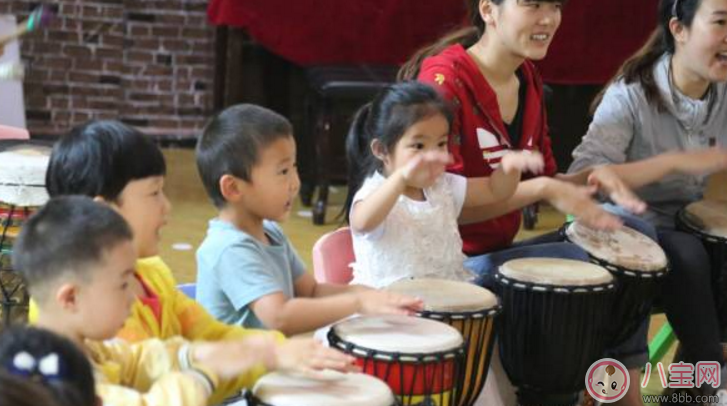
point(332, 257)
point(13, 133)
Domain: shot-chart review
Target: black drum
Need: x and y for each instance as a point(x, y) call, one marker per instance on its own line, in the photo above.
point(636, 261)
point(553, 326)
point(707, 220)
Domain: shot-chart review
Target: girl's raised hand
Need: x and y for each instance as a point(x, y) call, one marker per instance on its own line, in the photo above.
point(424, 168)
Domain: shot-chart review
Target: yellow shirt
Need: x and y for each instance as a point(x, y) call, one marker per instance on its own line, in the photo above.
point(181, 316)
point(144, 374)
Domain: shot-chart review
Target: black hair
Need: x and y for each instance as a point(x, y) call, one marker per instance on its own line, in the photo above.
point(386, 119)
point(466, 36)
point(100, 158)
point(22, 348)
point(231, 143)
point(640, 66)
point(67, 236)
point(18, 391)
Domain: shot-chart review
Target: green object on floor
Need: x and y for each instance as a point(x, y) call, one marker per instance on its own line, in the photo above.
point(659, 346)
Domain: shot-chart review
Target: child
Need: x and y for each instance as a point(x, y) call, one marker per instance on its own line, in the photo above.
point(404, 216)
point(115, 164)
point(51, 360)
point(248, 273)
point(77, 258)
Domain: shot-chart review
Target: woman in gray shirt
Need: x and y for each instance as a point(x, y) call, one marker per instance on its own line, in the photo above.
point(662, 124)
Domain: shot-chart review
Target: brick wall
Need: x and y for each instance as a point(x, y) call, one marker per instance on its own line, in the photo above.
point(149, 63)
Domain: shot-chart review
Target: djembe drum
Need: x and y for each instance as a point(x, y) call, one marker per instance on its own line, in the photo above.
point(322, 389)
point(468, 308)
point(421, 360)
point(707, 220)
point(636, 261)
point(22, 189)
point(553, 326)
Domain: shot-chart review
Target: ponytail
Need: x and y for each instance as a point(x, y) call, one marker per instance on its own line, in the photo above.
point(360, 159)
point(639, 68)
point(394, 110)
point(467, 37)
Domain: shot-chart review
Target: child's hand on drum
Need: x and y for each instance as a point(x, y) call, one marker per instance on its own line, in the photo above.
point(606, 180)
point(306, 355)
point(229, 359)
point(423, 169)
point(578, 201)
point(523, 161)
point(378, 302)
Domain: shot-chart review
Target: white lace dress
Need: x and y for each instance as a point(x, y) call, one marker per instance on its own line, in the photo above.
point(417, 239)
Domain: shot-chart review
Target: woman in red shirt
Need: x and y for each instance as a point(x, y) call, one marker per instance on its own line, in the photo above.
point(486, 72)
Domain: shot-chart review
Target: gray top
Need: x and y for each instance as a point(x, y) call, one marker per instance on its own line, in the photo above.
point(627, 128)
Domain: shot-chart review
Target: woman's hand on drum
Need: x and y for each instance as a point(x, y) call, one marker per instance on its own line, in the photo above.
point(307, 354)
point(376, 302)
point(578, 201)
point(702, 162)
point(608, 182)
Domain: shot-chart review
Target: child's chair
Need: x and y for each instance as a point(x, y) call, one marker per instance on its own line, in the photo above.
point(13, 133)
point(332, 257)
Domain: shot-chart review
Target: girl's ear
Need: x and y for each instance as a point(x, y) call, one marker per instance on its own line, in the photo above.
point(378, 150)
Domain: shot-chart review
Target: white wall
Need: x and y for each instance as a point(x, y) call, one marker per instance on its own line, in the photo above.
point(12, 110)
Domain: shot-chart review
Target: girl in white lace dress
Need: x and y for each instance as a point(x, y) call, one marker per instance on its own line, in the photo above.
point(404, 216)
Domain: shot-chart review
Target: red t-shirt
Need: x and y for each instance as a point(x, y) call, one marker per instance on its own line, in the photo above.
point(479, 138)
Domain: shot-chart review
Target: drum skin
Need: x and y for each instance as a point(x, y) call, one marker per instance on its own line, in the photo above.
point(468, 308)
point(421, 360)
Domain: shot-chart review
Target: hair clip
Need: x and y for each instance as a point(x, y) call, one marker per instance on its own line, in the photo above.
point(26, 365)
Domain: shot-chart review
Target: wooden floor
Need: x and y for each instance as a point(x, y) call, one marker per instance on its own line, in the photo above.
point(191, 210)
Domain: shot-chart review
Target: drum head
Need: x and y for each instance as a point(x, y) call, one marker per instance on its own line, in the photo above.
point(22, 175)
point(625, 248)
point(708, 216)
point(279, 389)
point(402, 334)
point(440, 295)
point(555, 272)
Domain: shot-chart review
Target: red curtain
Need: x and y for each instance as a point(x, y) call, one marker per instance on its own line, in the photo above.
point(593, 40)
